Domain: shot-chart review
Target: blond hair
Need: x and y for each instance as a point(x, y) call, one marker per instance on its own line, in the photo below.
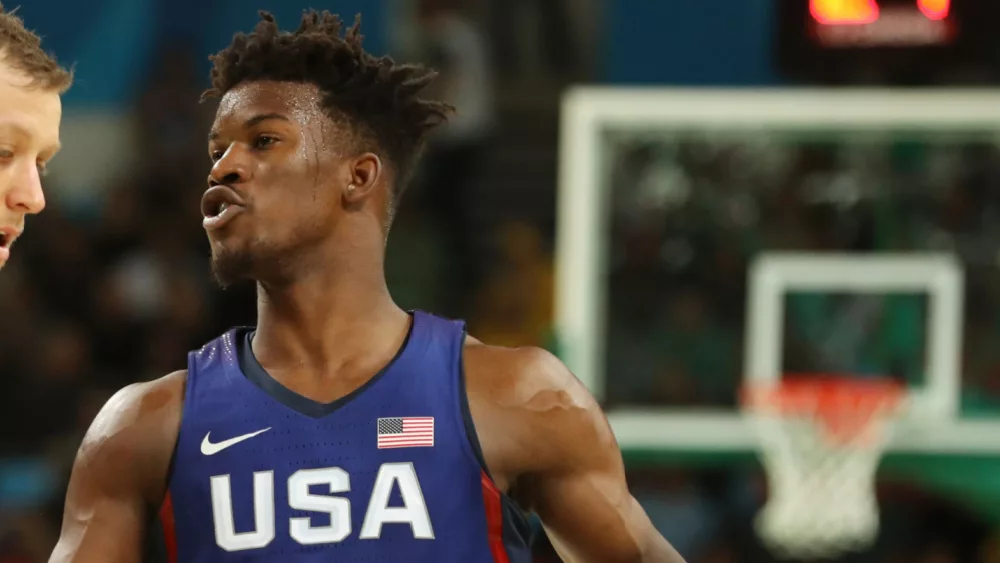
point(22, 49)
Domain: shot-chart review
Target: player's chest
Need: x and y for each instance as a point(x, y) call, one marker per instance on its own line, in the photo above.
point(317, 484)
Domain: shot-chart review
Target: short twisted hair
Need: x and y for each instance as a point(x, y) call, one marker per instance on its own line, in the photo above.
point(378, 97)
point(22, 50)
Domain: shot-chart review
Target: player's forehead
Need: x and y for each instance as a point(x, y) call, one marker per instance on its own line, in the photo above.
point(28, 111)
point(300, 103)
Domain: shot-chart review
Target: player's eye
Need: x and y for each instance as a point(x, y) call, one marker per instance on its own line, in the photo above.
point(216, 156)
point(6, 154)
point(264, 141)
point(43, 170)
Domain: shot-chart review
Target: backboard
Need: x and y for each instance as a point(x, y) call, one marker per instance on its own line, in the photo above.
point(595, 122)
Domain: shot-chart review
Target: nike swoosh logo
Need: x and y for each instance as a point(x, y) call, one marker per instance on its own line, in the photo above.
point(208, 448)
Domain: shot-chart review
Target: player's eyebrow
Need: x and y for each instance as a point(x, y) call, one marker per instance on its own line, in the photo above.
point(21, 131)
point(255, 120)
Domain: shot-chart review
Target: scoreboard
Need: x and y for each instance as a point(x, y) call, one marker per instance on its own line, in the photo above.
point(907, 40)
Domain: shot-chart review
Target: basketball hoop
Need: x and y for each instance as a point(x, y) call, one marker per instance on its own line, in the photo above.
point(821, 440)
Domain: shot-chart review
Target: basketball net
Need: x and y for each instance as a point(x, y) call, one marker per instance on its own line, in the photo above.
point(820, 443)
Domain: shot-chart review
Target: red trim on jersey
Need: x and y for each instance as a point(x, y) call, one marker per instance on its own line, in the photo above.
point(494, 519)
point(169, 529)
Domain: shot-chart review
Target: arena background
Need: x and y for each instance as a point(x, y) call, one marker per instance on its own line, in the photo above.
point(621, 170)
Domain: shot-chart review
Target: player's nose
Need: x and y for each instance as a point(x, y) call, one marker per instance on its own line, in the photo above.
point(24, 194)
point(232, 168)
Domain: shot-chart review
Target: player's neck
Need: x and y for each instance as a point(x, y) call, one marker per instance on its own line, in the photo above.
point(308, 322)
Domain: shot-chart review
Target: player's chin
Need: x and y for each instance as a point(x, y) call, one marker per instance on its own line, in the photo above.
point(231, 265)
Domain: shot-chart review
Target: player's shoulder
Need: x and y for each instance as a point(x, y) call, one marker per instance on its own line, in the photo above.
point(144, 400)
point(522, 371)
point(137, 428)
point(137, 413)
point(534, 398)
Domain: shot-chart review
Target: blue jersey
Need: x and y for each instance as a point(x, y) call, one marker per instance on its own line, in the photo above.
point(391, 473)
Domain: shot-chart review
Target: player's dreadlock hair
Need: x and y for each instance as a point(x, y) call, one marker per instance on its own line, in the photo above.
point(22, 50)
point(378, 97)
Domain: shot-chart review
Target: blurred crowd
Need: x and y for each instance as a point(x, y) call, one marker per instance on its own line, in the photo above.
point(692, 212)
point(103, 292)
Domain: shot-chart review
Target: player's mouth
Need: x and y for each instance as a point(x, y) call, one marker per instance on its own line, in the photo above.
point(7, 237)
point(219, 206)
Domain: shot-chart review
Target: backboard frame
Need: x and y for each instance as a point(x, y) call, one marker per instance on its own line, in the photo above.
point(582, 248)
point(940, 276)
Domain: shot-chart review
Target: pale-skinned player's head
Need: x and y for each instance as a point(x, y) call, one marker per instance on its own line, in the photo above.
point(313, 142)
point(31, 82)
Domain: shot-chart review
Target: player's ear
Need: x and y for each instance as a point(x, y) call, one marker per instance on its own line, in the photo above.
point(365, 173)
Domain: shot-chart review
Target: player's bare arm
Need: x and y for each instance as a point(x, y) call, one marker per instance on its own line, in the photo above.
point(120, 473)
point(546, 440)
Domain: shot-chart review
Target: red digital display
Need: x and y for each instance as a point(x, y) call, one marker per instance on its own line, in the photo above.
point(888, 41)
point(871, 23)
point(861, 12)
point(843, 12)
point(934, 9)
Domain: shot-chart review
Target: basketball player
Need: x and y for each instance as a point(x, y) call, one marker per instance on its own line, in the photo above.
point(341, 428)
point(30, 109)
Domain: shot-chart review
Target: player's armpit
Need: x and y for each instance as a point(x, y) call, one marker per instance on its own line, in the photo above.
point(119, 474)
point(577, 485)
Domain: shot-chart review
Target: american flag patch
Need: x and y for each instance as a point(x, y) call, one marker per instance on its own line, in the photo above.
point(406, 432)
